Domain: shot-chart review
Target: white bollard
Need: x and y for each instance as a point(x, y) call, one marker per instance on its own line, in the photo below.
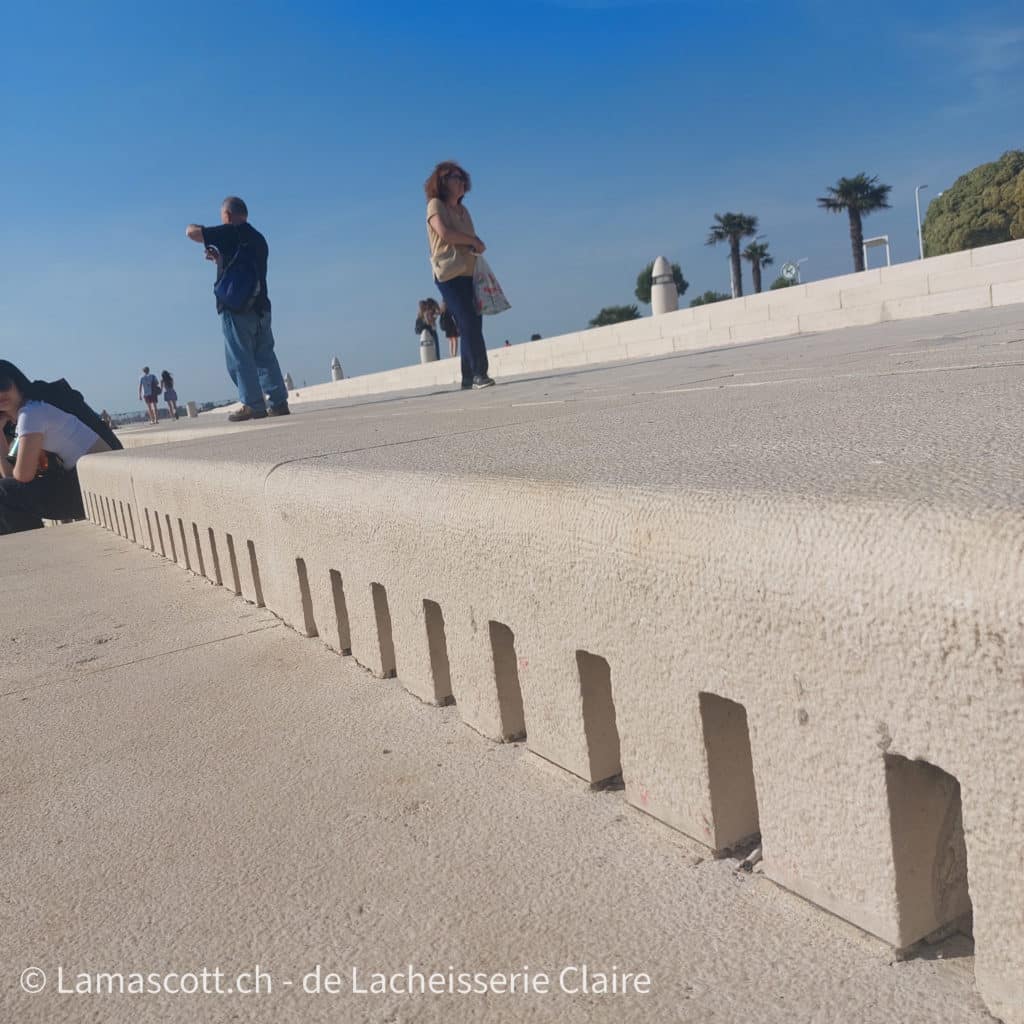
point(428, 348)
point(664, 294)
point(289, 384)
point(336, 371)
point(193, 411)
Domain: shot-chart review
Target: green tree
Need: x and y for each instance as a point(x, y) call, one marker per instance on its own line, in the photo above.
point(708, 297)
point(757, 255)
point(781, 282)
point(731, 227)
point(858, 196)
point(984, 206)
point(615, 315)
point(643, 282)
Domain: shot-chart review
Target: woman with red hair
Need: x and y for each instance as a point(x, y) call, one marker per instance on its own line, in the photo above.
point(454, 247)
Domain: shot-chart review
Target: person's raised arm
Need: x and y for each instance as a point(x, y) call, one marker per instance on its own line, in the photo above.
point(453, 237)
point(30, 447)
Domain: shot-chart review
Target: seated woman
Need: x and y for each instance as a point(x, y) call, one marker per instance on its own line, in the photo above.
point(52, 428)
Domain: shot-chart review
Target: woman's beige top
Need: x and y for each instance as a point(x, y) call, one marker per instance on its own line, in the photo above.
point(447, 260)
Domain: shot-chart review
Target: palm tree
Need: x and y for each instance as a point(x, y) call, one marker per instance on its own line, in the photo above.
point(858, 196)
point(731, 227)
point(757, 255)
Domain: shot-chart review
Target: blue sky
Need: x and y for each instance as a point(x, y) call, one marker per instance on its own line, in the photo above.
point(599, 135)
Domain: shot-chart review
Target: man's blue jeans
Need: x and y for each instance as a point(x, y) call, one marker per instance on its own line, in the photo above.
point(249, 354)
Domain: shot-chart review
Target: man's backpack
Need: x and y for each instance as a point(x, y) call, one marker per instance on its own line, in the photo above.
point(238, 287)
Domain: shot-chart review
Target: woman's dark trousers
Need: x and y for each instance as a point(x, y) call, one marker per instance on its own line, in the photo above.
point(55, 495)
point(459, 297)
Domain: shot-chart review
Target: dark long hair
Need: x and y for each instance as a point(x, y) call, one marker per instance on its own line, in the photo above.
point(61, 395)
point(167, 380)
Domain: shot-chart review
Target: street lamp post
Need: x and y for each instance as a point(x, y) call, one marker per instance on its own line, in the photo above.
point(917, 204)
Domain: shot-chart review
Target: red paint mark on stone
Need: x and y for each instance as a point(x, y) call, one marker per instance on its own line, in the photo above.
point(524, 662)
point(645, 795)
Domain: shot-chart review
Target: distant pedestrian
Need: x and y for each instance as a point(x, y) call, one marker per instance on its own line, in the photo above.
point(170, 395)
point(450, 329)
point(45, 428)
point(241, 254)
point(426, 320)
point(149, 392)
point(454, 247)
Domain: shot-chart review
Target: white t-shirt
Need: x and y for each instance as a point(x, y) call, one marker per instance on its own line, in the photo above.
point(63, 434)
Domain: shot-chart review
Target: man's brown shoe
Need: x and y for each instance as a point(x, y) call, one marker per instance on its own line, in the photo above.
point(279, 410)
point(247, 413)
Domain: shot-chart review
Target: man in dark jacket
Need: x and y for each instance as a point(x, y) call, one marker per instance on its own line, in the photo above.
point(241, 255)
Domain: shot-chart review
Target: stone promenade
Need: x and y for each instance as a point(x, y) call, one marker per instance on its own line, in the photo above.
point(188, 783)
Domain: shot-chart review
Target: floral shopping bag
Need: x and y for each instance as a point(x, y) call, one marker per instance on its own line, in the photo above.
point(490, 298)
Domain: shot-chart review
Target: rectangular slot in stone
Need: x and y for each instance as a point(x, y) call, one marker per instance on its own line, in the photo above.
point(734, 813)
point(149, 529)
point(341, 613)
point(199, 549)
point(308, 619)
point(382, 613)
point(599, 725)
point(216, 558)
point(506, 678)
point(160, 533)
point(236, 582)
point(254, 567)
point(131, 524)
point(437, 643)
point(170, 537)
point(184, 545)
point(929, 853)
